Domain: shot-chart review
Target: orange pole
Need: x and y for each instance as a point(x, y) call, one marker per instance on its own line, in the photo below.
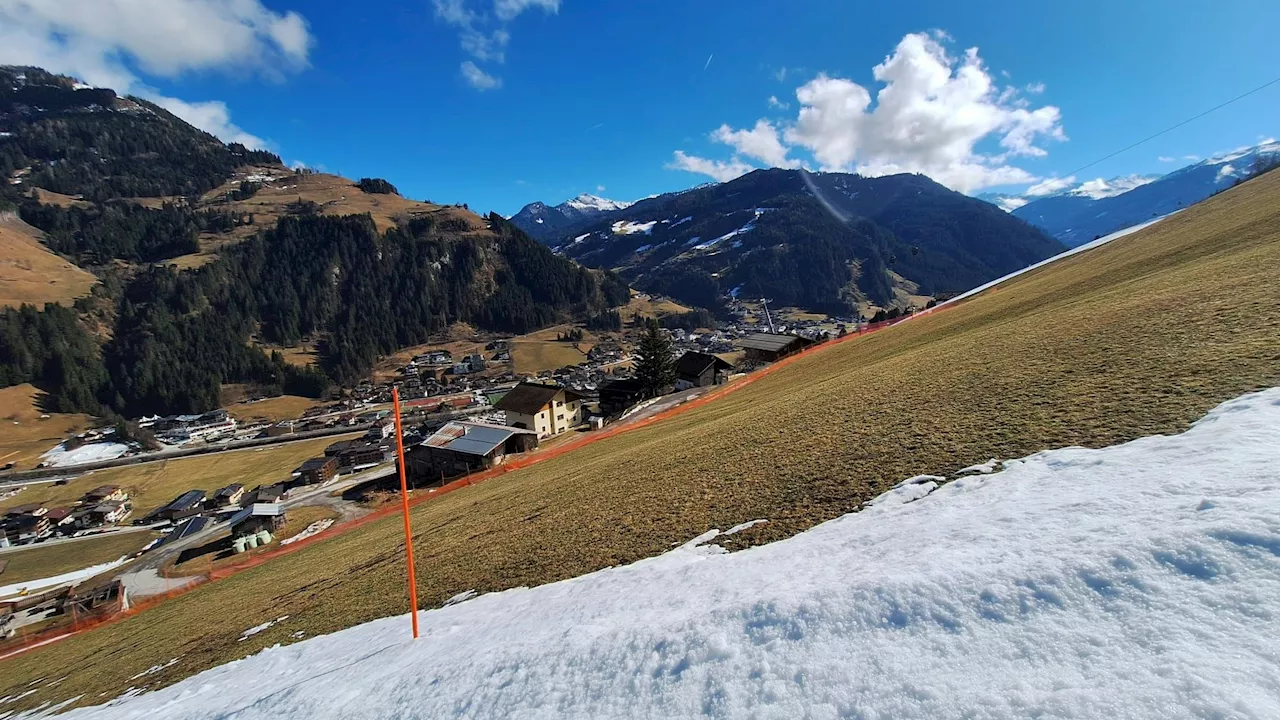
point(404, 503)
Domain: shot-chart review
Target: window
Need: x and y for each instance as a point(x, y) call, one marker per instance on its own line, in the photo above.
point(560, 416)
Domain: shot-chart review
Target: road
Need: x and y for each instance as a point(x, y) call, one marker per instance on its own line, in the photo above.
point(63, 541)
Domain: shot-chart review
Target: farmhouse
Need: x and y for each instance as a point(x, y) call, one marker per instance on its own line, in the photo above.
point(461, 447)
point(545, 409)
point(695, 369)
point(763, 347)
point(105, 513)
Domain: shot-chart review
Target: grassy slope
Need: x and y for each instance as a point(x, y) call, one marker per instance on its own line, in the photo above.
point(282, 407)
point(32, 273)
point(24, 435)
point(1138, 337)
point(45, 561)
point(150, 485)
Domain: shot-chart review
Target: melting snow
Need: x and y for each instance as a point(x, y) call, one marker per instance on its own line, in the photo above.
point(154, 669)
point(631, 227)
point(74, 577)
point(1140, 580)
point(92, 452)
point(259, 628)
point(314, 528)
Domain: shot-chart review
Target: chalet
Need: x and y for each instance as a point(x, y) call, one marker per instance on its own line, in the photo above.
point(59, 517)
point(619, 394)
point(106, 513)
point(317, 470)
point(767, 348)
point(32, 509)
point(361, 454)
point(105, 493)
point(461, 447)
point(695, 369)
point(546, 409)
point(229, 495)
point(181, 507)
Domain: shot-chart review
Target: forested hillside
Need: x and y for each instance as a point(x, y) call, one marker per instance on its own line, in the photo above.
point(165, 339)
point(823, 241)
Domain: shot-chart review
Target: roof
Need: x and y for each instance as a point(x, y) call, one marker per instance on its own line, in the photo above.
point(770, 343)
point(186, 529)
point(24, 509)
point(102, 491)
point(256, 510)
point(107, 507)
point(530, 398)
point(473, 438)
point(185, 500)
point(315, 463)
point(695, 363)
point(229, 490)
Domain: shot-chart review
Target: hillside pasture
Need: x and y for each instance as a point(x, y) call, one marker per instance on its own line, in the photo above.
point(27, 432)
point(32, 273)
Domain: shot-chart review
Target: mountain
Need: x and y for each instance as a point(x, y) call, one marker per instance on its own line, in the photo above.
point(824, 241)
point(1092, 209)
point(544, 222)
point(208, 253)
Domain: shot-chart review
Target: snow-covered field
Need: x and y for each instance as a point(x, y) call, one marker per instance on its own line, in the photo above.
point(93, 452)
point(1141, 580)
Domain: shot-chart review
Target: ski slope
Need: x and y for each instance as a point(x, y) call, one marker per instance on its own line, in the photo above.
point(1140, 580)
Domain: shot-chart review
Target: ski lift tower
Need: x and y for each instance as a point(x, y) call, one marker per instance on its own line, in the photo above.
point(767, 316)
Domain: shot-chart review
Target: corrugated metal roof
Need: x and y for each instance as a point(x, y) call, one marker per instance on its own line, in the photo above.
point(186, 529)
point(771, 343)
point(186, 500)
point(472, 438)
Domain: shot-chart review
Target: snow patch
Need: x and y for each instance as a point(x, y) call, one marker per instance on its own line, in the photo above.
point(60, 456)
point(1073, 583)
point(75, 577)
point(314, 528)
point(981, 468)
point(259, 628)
point(631, 227)
point(154, 669)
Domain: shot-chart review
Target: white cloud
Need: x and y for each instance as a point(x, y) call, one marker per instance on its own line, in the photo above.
point(478, 78)
point(1050, 186)
point(1192, 158)
point(1035, 88)
point(929, 116)
point(760, 142)
point(718, 170)
point(485, 38)
point(98, 40)
point(1165, 159)
point(599, 188)
point(213, 117)
point(777, 104)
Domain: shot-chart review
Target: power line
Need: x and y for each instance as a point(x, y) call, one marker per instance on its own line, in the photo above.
point(1175, 127)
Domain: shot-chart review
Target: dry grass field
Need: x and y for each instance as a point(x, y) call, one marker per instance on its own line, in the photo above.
point(538, 351)
point(283, 407)
point(32, 273)
point(152, 484)
point(1138, 337)
point(44, 561)
point(648, 307)
point(25, 433)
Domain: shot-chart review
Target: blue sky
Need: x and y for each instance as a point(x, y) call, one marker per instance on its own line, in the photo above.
point(599, 96)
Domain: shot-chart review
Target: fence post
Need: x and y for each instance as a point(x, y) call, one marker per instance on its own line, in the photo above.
point(404, 504)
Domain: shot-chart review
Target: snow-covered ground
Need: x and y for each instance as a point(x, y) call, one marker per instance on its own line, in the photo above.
point(93, 452)
point(1141, 580)
point(74, 577)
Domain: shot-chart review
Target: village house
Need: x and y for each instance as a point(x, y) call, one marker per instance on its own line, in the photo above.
point(256, 518)
point(767, 348)
point(111, 512)
point(695, 369)
point(229, 495)
point(546, 409)
point(618, 394)
point(184, 506)
point(105, 493)
point(23, 529)
point(461, 447)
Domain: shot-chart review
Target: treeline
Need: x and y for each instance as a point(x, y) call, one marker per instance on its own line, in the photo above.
point(49, 350)
point(123, 230)
point(689, 321)
point(377, 186)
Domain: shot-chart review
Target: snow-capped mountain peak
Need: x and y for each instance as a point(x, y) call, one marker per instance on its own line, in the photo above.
point(586, 202)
